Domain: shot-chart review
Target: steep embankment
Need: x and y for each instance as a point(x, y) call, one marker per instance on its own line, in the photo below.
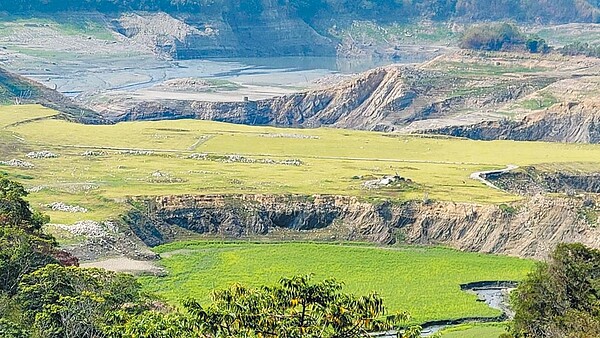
point(565, 122)
point(16, 89)
point(529, 229)
point(273, 32)
point(385, 98)
point(532, 181)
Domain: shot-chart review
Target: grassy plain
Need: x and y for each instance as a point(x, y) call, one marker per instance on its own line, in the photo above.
point(334, 161)
point(423, 281)
point(475, 331)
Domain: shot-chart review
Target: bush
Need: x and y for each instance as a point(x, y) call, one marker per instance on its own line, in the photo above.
point(581, 48)
point(503, 36)
point(560, 298)
point(491, 37)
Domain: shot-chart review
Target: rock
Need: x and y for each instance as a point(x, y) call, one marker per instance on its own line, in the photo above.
point(561, 123)
point(137, 152)
point(59, 206)
point(233, 34)
point(531, 230)
point(41, 154)
point(93, 153)
point(17, 163)
point(88, 229)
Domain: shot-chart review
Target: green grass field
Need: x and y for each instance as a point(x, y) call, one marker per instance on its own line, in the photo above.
point(334, 161)
point(475, 331)
point(423, 281)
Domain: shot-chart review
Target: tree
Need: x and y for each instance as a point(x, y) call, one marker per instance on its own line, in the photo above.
point(15, 211)
point(64, 302)
point(294, 308)
point(493, 37)
point(560, 298)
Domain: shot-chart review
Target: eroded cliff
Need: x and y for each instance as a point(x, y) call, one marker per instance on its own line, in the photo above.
point(577, 122)
point(528, 229)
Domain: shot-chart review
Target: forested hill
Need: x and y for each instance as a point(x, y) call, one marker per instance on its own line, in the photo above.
point(308, 10)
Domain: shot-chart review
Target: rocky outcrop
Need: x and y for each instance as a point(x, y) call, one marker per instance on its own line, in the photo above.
point(528, 229)
point(576, 122)
point(228, 34)
point(531, 181)
point(382, 99)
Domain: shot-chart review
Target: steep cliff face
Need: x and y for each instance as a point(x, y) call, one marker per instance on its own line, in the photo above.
point(228, 34)
point(577, 122)
point(529, 229)
point(383, 99)
point(531, 181)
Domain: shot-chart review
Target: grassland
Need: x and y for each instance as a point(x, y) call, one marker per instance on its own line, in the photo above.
point(333, 161)
point(423, 281)
point(475, 331)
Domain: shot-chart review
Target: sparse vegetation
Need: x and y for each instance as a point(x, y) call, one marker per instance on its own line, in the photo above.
point(543, 101)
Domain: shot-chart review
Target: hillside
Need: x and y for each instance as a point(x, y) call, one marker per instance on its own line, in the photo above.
point(310, 11)
point(195, 29)
point(440, 96)
point(16, 89)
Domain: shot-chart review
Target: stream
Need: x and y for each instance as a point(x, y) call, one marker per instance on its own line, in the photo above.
point(493, 293)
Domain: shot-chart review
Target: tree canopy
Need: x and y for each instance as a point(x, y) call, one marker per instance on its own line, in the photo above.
point(386, 10)
point(561, 298)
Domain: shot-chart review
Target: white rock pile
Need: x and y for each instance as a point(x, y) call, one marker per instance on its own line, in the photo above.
point(137, 152)
point(196, 156)
point(17, 163)
point(41, 154)
point(91, 153)
point(385, 181)
point(59, 206)
point(89, 229)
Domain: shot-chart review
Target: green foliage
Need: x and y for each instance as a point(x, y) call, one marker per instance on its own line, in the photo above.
point(23, 245)
point(560, 298)
point(508, 209)
point(9, 329)
point(294, 308)
point(501, 36)
point(492, 37)
point(20, 254)
point(535, 44)
point(581, 48)
point(15, 211)
point(72, 302)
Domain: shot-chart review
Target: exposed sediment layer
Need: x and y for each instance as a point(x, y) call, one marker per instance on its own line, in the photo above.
point(528, 229)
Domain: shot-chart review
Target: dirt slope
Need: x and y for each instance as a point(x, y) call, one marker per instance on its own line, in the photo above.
point(527, 229)
point(577, 122)
point(16, 89)
point(386, 98)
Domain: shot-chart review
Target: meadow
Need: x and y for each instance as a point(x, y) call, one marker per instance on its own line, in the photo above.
point(423, 281)
point(99, 166)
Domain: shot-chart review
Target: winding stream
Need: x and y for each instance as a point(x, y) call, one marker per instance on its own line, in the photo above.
point(493, 293)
